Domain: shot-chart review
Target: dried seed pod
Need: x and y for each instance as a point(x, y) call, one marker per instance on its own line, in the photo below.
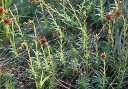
point(106, 29)
point(103, 56)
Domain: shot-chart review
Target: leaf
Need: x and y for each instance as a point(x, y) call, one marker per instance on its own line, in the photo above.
point(43, 81)
point(104, 46)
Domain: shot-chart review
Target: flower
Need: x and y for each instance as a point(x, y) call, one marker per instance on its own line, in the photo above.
point(117, 13)
point(43, 41)
point(106, 29)
point(7, 21)
point(32, 1)
point(103, 55)
point(1, 9)
point(108, 16)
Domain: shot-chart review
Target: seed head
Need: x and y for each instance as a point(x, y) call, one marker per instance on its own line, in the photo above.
point(103, 56)
point(106, 29)
point(108, 17)
point(7, 21)
point(43, 41)
point(32, 1)
point(1, 10)
point(117, 13)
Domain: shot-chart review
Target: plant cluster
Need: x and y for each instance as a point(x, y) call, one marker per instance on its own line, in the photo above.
point(63, 44)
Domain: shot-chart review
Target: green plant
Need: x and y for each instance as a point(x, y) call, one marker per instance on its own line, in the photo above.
point(67, 44)
point(83, 82)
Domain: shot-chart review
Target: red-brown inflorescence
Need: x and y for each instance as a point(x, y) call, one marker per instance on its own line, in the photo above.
point(106, 29)
point(1, 10)
point(43, 41)
point(108, 17)
point(32, 1)
point(117, 13)
point(7, 21)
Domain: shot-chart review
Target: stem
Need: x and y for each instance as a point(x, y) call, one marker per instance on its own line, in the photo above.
point(104, 73)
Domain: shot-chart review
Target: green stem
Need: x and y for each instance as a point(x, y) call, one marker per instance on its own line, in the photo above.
point(104, 73)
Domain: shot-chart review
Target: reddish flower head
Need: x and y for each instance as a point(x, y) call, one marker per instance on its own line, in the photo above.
point(43, 41)
point(32, 1)
point(117, 13)
point(106, 29)
point(1, 10)
point(108, 16)
point(7, 21)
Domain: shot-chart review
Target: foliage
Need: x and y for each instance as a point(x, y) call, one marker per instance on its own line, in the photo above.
point(64, 44)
